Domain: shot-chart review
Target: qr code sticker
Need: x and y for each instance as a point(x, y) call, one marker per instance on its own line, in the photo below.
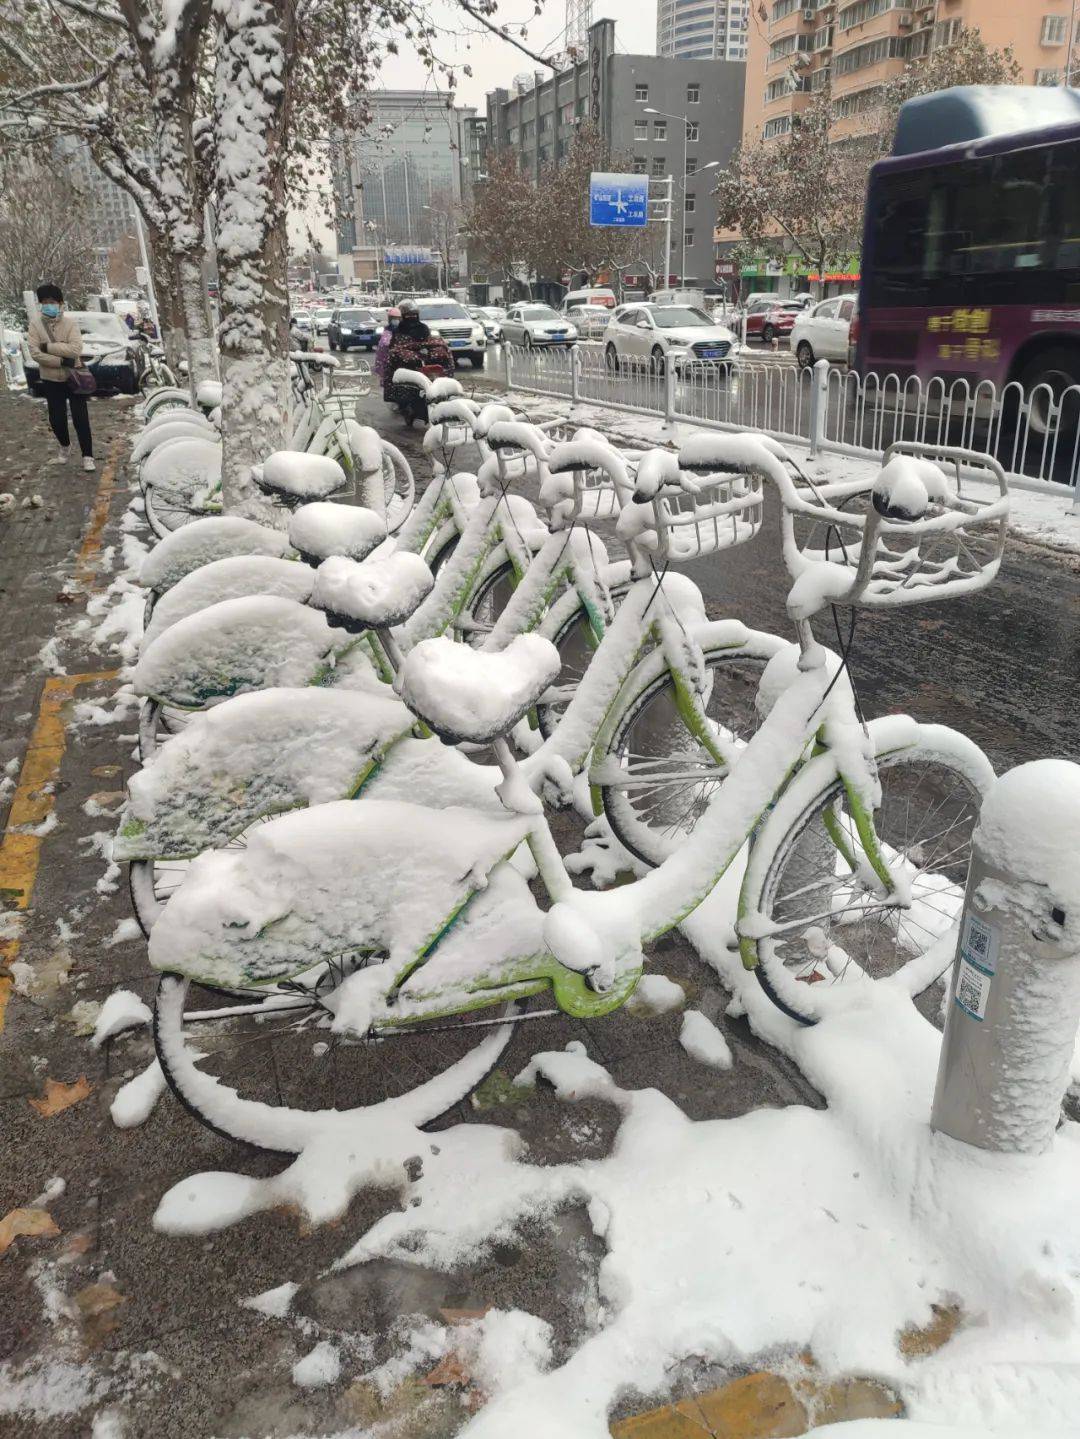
point(979, 945)
point(972, 990)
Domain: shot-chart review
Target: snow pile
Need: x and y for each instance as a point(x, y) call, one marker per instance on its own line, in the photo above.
point(325, 528)
point(473, 695)
point(703, 1041)
point(319, 883)
point(303, 476)
point(203, 541)
point(122, 1010)
point(185, 465)
point(254, 755)
point(234, 646)
point(378, 593)
point(228, 579)
point(317, 1369)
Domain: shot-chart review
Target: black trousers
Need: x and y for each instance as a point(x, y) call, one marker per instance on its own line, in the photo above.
point(58, 397)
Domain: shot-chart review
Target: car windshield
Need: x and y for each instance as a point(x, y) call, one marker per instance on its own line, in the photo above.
point(538, 312)
point(97, 325)
point(356, 317)
point(448, 311)
point(679, 317)
point(494, 312)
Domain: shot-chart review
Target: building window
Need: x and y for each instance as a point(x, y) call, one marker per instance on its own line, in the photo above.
point(780, 126)
point(945, 32)
point(1048, 77)
point(641, 94)
point(690, 204)
point(691, 164)
point(788, 46)
point(641, 129)
point(693, 94)
point(659, 166)
point(579, 108)
point(688, 239)
point(545, 121)
point(864, 10)
point(639, 164)
point(782, 8)
point(659, 130)
point(566, 113)
point(691, 131)
point(1054, 30)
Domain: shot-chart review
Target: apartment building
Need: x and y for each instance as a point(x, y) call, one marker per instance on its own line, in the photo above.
point(702, 29)
point(797, 46)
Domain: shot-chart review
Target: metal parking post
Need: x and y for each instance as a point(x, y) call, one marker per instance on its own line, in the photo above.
point(507, 365)
point(669, 396)
point(575, 377)
point(819, 405)
point(1014, 1003)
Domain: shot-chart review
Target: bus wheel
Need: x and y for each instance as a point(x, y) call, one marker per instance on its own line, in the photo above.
point(1056, 371)
point(804, 354)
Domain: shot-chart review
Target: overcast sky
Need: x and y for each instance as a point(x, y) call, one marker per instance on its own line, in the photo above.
point(493, 60)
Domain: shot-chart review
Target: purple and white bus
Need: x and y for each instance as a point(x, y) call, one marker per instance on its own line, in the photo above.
point(971, 244)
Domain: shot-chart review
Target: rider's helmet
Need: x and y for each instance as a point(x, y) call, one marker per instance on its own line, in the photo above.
point(408, 307)
point(394, 314)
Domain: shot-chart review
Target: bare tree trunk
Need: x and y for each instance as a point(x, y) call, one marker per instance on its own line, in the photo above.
point(252, 85)
point(170, 315)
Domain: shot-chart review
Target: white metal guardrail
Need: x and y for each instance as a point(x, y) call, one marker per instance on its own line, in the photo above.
point(1036, 437)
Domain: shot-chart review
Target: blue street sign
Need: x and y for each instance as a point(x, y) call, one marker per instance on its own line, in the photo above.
point(408, 255)
point(621, 200)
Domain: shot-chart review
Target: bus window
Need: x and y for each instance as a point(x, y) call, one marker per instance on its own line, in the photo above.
point(900, 207)
point(998, 217)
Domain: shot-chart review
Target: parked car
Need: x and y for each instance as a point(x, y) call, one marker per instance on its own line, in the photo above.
point(353, 330)
point(108, 348)
point(492, 327)
point(464, 336)
point(591, 320)
point(822, 333)
point(300, 330)
point(766, 320)
point(534, 325)
point(659, 334)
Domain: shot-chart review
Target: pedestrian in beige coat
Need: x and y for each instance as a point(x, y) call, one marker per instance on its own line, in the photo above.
point(56, 346)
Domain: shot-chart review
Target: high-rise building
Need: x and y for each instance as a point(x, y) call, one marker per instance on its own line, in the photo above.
point(108, 208)
point(702, 29)
point(798, 46)
point(394, 178)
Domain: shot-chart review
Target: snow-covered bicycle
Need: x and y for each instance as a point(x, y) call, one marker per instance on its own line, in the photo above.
point(410, 935)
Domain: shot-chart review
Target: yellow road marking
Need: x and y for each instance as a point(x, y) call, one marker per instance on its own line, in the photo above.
point(90, 549)
point(31, 805)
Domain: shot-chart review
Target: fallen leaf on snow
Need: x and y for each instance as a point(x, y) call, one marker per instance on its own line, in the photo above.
point(59, 1096)
point(450, 1372)
point(31, 1223)
point(96, 1305)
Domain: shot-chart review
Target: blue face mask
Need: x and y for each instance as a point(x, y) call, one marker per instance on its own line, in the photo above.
point(50, 309)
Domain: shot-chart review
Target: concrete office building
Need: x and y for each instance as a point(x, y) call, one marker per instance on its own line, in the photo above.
point(797, 46)
point(400, 171)
point(109, 209)
point(702, 29)
point(665, 116)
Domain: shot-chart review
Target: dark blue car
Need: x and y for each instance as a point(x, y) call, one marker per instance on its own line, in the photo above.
point(353, 330)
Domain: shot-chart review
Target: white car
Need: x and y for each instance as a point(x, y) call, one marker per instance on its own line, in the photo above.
point(591, 320)
point(320, 321)
point(107, 346)
point(822, 332)
point(534, 325)
point(464, 335)
point(656, 334)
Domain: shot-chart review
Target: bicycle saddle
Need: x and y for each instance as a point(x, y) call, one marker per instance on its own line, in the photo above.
point(374, 595)
point(296, 477)
point(323, 529)
point(208, 394)
point(476, 695)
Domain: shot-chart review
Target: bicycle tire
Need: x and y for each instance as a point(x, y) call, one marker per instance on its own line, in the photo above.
point(576, 643)
point(794, 864)
point(664, 811)
point(266, 1124)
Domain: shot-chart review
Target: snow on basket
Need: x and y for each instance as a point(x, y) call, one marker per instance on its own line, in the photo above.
point(377, 593)
point(474, 695)
point(228, 579)
point(234, 646)
point(324, 528)
point(189, 464)
point(203, 541)
point(382, 876)
point(301, 476)
point(254, 755)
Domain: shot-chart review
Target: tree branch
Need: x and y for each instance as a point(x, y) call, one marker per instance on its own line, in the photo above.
point(501, 33)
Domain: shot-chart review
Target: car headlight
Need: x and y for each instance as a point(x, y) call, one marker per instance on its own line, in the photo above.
point(435, 331)
point(379, 329)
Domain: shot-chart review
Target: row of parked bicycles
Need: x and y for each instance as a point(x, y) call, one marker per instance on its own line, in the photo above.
point(356, 727)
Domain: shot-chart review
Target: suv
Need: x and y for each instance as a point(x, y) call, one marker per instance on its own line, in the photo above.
point(464, 336)
point(349, 328)
point(822, 333)
point(769, 320)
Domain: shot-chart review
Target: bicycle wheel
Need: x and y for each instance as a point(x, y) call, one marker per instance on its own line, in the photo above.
point(240, 1071)
point(658, 779)
point(157, 722)
point(166, 512)
point(831, 929)
point(153, 882)
point(399, 486)
point(486, 604)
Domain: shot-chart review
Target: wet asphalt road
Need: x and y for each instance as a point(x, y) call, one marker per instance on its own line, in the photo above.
point(1002, 665)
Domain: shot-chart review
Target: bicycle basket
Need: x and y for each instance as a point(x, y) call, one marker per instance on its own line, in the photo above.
point(724, 511)
point(590, 479)
point(930, 529)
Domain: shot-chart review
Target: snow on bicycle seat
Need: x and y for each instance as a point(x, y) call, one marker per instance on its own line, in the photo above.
point(323, 529)
point(476, 695)
point(208, 394)
point(295, 475)
point(376, 594)
point(202, 541)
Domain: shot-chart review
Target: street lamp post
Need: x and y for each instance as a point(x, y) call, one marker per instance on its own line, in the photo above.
point(712, 165)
